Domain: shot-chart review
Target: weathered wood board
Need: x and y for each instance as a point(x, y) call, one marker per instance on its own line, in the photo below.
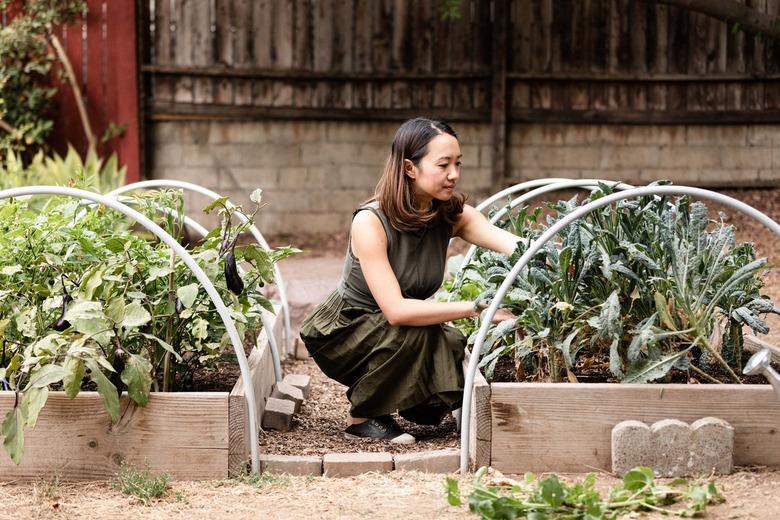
point(480, 421)
point(567, 427)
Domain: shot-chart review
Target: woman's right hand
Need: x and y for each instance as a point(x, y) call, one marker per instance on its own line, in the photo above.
point(503, 315)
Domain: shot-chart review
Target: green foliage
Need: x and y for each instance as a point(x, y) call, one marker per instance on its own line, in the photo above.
point(87, 301)
point(25, 63)
point(93, 173)
point(638, 288)
point(550, 498)
point(143, 484)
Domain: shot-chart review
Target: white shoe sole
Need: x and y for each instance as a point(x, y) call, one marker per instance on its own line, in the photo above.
point(404, 438)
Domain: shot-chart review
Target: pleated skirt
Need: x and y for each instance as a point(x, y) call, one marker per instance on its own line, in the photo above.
point(416, 371)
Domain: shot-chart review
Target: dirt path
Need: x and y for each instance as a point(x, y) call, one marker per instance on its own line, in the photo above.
point(749, 495)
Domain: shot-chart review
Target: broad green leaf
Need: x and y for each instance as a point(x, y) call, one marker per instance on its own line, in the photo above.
point(115, 310)
point(32, 402)
point(256, 196)
point(87, 317)
point(653, 369)
point(663, 311)
point(10, 270)
point(13, 434)
point(90, 282)
point(137, 377)
point(187, 294)
point(164, 345)
point(638, 478)
point(135, 315)
point(26, 322)
point(105, 388)
point(200, 329)
point(220, 202)
point(158, 272)
point(46, 375)
point(71, 383)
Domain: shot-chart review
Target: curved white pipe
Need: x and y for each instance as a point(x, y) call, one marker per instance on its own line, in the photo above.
point(527, 185)
point(202, 231)
point(160, 233)
point(184, 185)
point(545, 188)
point(548, 235)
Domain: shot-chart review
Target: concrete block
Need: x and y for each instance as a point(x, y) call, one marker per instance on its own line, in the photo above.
point(299, 381)
point(739, 157)
point(434, 461)
point(291, 464)
point(278, 414)
point(716, 134)
point(629, 157)
point(288, 392)
point(671, 445)
point(763, 135)
point(350, 464)
point(689, 157)
point(570, 157)
point(712, 447)
point(631, 446)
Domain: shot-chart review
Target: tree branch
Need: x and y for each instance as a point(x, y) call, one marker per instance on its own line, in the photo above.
point(63, 57)
point(730, 11)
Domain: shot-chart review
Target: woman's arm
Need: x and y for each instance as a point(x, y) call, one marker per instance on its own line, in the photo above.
point(369, 245)
point(473, 227)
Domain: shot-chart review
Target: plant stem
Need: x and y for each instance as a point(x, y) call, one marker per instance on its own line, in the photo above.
point(706, 344)
point(705, 375)
point(63, 57)
point(169, 324)
point(8, 128)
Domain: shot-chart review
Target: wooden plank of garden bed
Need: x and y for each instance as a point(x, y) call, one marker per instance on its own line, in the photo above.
point(567, 427)
point(262, 374)
point(182, 434)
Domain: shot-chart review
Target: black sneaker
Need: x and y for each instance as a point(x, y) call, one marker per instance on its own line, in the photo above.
point(379, 428)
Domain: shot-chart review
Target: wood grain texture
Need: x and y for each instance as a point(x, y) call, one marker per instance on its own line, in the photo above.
point(480, 421)
point(182, 434)
point(567, 427)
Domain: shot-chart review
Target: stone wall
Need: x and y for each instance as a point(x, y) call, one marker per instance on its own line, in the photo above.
point(315, 173)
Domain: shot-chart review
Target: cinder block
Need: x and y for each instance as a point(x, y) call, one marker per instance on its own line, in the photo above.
point(299, 381)
point(288, 392)
point(672, 447)
point(712, 447)
point(435, 461)
point(631, 446)
point(278, 414)
point(291, 464)
point(350, 464)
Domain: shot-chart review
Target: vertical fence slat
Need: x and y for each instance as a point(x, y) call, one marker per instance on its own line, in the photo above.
point(223, 88)
point(202, 51)
point(182, 20)
point(242, 49)
point(162, 87)
point(521, 35)
point(660, 20)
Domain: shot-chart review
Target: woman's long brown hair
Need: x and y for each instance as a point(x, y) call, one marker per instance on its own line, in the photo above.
point(395, 191)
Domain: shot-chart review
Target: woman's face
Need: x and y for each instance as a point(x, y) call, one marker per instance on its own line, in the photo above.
point(438, 172)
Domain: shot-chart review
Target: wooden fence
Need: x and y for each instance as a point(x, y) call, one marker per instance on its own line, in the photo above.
point(623, 61)
point(101, 46)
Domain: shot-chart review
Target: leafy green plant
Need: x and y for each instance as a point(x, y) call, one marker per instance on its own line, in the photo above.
point(92, 173)
point(550, 498)
point(633, 290)
point(85, 301)
point(143, 484)
point(25, 65)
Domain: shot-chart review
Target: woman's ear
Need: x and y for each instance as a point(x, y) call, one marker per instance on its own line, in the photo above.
point(409, 169)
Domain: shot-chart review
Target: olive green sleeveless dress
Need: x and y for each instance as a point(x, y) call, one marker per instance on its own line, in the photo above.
point(414, 370)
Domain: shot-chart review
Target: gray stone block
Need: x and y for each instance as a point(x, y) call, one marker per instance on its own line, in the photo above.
point(350, 464)
point(300, 381)
point(712, 447)
point(288, 392)
point(671, 445)
point(278, 414)
point(434, 461)
point(291, 464)
point(631, 446)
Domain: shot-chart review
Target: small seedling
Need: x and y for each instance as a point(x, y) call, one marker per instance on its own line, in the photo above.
point(141, 483)
point(47, 490)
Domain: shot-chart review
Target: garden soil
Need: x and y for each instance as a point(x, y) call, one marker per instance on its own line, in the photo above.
point(751, 493)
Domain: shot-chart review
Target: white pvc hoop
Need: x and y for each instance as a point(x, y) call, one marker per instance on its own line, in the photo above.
point(202, 231)
point(184, 185)
point(545, 188)
point(548, 235)
point(523, 186)
point(160, 233)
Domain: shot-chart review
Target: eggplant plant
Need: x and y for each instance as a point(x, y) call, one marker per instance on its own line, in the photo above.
point(637, 289)
point(87, 301)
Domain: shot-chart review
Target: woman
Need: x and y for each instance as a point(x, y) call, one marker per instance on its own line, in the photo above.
point(377, 333)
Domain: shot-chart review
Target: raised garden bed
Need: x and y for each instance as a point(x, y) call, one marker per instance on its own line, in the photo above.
point(566, 427)
point(189, 435)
